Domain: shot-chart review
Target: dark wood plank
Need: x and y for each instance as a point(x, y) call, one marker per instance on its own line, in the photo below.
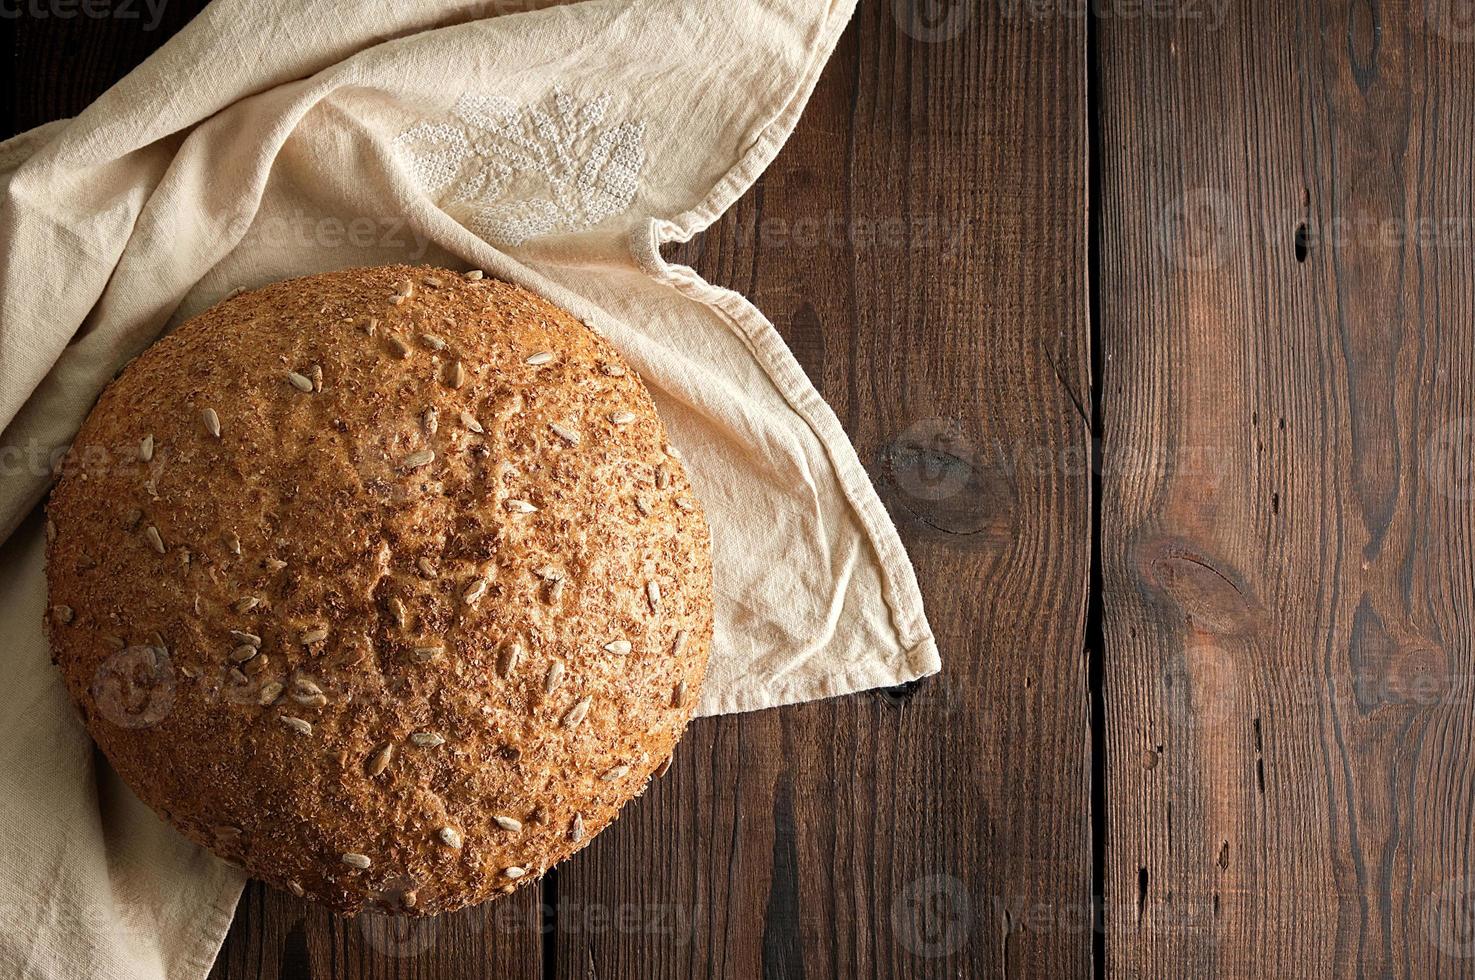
point(921, 244)
point(1286, 504)
point(278, 937)
point(64, 58)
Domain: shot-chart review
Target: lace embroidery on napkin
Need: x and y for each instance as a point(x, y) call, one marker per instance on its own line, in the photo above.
point(510, 173)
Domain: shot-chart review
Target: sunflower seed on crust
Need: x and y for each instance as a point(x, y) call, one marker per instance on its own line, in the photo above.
point(316, 634)
point(243, 653)
point(398, 347)
point(541, 357)
point(554, 677)
point(576, 828)
point(678, 694)
point(664, 767)
point(519, 506)
point(418, 459)
point(233, 543)
point(576, 715)
point(622, 418)
point(432, 341)
point(360, 861)
point(146, 448)
point(548, 573)
point(642, 505)
point(296, 889)
point(473, 593)
point(620, 647)
point(300, 381)
point(397, 610)
point(427, 740)
point(663, 477)
point(653, 595)
point(469, 420)
point(613, 370)
point(617, 772)
point(508, 823)
point(507, 660)
point(212, 422)
point(679, 643)
point(241, 636)
point(151, 535)
point(62, 614)
point(514, 872)
point(430, 419)
point(296, 724)
point(380, 760)
point(473, 275)
point(451, 837)
point(565, 433)
point(246, 603)
point(455, 375)
point(270, 691)
point(424, 655)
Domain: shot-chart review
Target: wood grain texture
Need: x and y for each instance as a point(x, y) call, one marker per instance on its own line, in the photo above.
point(1286, 290)
point(921, 244)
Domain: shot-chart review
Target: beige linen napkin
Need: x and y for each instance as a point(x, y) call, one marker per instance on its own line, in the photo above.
point(557, 146)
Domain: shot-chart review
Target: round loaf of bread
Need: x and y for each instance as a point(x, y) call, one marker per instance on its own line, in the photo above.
point(381, 584)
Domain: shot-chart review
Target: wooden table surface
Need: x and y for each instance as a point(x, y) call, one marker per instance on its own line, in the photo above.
point(1153, 328)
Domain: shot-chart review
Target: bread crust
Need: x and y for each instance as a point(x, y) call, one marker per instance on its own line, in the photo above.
point(376, 677)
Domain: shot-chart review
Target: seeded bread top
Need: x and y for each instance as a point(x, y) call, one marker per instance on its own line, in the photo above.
point(383, 584)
